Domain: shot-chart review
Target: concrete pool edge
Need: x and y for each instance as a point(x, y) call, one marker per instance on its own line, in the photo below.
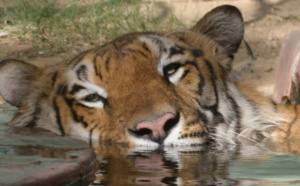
point(33, 157)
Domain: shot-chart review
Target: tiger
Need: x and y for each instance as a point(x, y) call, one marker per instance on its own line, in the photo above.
point(152, 89)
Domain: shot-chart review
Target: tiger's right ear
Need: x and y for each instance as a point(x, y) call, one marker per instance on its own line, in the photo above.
point(16, 80)
point(224, 25)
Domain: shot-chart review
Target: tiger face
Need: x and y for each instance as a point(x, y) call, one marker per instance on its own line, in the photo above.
point(149, 92)
point(141, 89)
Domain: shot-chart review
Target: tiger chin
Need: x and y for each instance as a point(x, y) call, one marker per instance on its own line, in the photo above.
point(150, 89)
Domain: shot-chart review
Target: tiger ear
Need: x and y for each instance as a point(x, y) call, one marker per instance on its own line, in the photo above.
point(16, 80)
point(224, 25)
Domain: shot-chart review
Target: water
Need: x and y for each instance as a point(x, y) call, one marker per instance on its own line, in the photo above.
point(198, 166)
point(240, 165)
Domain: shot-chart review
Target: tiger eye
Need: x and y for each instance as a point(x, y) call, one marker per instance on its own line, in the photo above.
point(171, 69)
point(93, 98)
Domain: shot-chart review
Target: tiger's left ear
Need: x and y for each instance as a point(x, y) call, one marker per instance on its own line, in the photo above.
point(16, 80)
point(224, 25)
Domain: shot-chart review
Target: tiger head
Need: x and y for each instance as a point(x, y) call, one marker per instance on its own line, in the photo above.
point(144, 89)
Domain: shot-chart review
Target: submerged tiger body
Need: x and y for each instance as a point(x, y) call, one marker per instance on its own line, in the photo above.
point(151, 89)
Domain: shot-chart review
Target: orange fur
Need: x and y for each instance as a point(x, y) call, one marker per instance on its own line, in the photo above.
point(103, 94)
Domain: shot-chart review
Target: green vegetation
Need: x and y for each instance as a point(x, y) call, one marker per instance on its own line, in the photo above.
point(74, 25)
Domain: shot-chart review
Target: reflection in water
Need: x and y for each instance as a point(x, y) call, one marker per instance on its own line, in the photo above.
point(177, 166)
point(140, 168)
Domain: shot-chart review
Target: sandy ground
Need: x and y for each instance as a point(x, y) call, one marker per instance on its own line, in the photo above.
point(267, 24)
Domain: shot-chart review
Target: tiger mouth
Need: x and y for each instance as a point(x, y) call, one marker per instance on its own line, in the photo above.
point(158, 132)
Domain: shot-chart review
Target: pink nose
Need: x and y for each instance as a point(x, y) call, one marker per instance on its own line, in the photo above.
point(157, 129)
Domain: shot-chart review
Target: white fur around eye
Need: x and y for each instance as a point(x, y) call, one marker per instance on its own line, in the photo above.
point(98, 104)
point(91, 89)
point(177, 75)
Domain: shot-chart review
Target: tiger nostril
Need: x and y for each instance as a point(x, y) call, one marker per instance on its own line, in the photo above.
point(171, 123)
point(141, 132)
point(156, 129)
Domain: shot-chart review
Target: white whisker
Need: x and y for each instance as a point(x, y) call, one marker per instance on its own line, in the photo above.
point(218, 141)
point(229, 140)
point(257, 143)
point(258, 126)
point(248, 138)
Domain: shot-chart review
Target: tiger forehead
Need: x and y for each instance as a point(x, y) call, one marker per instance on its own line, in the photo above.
point(158, 49)
point(156, 43)
point(125, 46)
point(146, 46)
point(162, 45)
point(168, 51)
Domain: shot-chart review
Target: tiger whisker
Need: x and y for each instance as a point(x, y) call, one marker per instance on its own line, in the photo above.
point(258, 126)
point(249, 139)
point(218, 141)
point(229, 140)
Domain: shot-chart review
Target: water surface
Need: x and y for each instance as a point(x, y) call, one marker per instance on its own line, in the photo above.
point(250, 164)
point(195, 166)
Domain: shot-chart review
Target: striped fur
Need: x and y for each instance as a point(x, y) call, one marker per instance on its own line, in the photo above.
point(101, 94)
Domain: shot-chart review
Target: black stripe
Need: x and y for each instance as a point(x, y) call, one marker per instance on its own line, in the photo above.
point(62, 90)
point(158, 42)
point(175, 50)
point(146, 47)
point(95, 67)
point(218, 118)
point(107, 63)
point(142, 53)
point(101, 51)
point(81, 72)
point(184, 74)
point(75, 117)
point(129, 50)
point(58, 117)
point(201, 81)
point(76, 88)
point(213, 80)
point(125, 42)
